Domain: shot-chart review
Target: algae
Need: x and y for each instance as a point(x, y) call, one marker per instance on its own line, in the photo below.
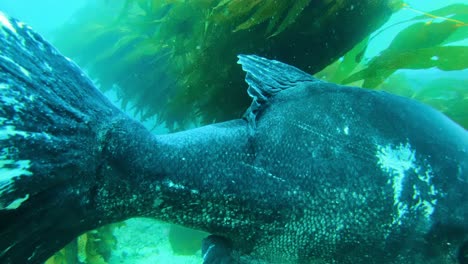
point(177, 59)
point(185, 241)
point(432, 41)
point(93, 247)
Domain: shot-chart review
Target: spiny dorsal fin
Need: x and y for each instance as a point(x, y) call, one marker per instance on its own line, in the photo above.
point(267, 78)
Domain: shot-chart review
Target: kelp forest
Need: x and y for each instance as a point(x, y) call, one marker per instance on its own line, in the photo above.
point(175, 61)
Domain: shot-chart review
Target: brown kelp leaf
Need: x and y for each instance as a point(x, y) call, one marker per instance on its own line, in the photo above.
point(342, 67)
point(458, 112)
point(228, 9)
point(146, 48)
point(292, 15)
point(264, 12)
point(445, 12)
point(350, 61)
point(445, 58)
point(122, 44)
point(399, 84)
point(460, 34)
point(455, 13)
point(422, 35)
point(453, 90)
point(446, 94)
point(415, 47)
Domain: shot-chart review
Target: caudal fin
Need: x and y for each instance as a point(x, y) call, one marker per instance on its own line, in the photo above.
point(53, 123)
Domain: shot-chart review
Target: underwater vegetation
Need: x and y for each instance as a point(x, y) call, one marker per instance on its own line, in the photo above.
point(431, 41)
point(177, 59)
point(93, 247)
point(185, 241)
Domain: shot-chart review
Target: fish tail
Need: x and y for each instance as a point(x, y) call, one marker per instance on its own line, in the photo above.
point(53, 125)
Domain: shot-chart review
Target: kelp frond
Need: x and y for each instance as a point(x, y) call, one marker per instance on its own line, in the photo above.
point(278, 14)
point(442, 13)
point(421, 45)
point(177, 59)
point(430, 42)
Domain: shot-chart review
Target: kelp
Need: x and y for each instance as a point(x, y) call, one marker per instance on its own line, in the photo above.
point(177, 59)
point(93, 247)
point(278, 14)
point(185, 241)
point(429, 42)
point(450, 96)
point(337, 71)
point(421, 45)
point(379, 69)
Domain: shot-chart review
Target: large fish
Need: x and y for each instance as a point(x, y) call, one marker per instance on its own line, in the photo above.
point(314, 173)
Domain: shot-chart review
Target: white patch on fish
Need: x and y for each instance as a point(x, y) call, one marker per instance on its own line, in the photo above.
point(171, 184)
point(16, 203)
point(398, 161)
point(8, 131)
point(11, 168)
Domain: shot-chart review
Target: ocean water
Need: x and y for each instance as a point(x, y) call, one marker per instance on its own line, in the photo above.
point(143, 240)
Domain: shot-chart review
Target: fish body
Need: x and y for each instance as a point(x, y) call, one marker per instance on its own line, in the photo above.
point(314, 173)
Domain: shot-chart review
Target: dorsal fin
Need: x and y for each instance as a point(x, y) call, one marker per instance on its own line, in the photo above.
point(267, 78)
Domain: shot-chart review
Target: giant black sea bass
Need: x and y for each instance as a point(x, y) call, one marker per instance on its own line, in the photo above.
point(314, 173)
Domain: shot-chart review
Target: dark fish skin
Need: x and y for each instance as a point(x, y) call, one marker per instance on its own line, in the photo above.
point(315, 172)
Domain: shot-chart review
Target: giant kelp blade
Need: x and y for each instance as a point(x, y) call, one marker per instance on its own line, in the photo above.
point(373, 76)
point(228, 9)
point(292, 15)
point(448, 58)
point(121, 46)
point(415, 47)
point(445, 12)
point(442, 93)
point(263, 13)
point(458, 112)
point(459, 35)
point(344, 66)
point(422, 35)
